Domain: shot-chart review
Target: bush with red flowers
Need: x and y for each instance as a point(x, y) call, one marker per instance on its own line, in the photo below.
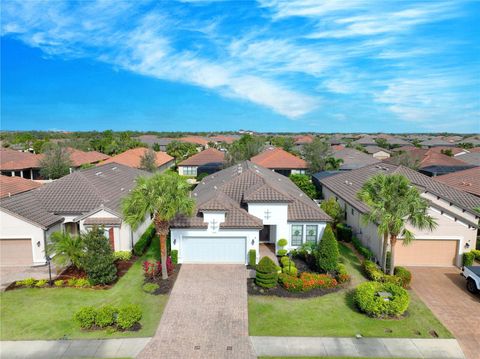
point(154, 269)
point(306, 282)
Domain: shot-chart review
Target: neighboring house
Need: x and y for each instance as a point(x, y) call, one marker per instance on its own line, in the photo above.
point(200, 142)
point(456, 151)
point(378, 152)
point(10, 186)
point(240, 207)
point(366, 140)
point(452, 209)
point(208, 161)
point(353, 159)
point(301, 141)
point(223, 139)
point(467, 180)
point(436, 141)
point(149, 140)
point(73, 203)
point(404, 149)
point(472, 158)
point(474, 140)
point(133, 157)
point(393, 140)
point(82, 158)
point(280, 161)
point(19, 164)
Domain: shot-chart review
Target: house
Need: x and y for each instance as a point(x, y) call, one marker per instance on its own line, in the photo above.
point(10, 186)
point(148, 140)
point(19, 164)
point(82, 158)
point(454, 151)
point(472, 158)
point(223, 139)
point(240, 207)
point(280, 161)
point(366, 140)
point(200, 142)
point(467, 180)
point(393, 140)
point(403, 149)
point(452, 209)
point(436, 141)
point(133, 157)
point(474, 140)
point(208, 161)
point(73, 203)
point(353, 159)
point(302, 140)
point(378, 152)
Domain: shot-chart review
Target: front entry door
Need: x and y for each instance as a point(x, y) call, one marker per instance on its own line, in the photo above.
point(265, 234)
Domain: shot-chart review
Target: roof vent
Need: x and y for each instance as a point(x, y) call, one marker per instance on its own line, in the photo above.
point(215, 187)
point(195, 194)
point(122, 189)
point(98, 173)
point(114, 168)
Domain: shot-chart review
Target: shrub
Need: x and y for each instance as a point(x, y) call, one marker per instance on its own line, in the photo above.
point(122, 255)
point(305, 184)
point(344, 232)
point(58, 283)
point(476, 253)
point(153, 269)
point(252, 257)
point(305, 250)
point(405, 276)
point(373, 272)
point(364, 251)
point(282, 242)
point(72, 282)
point(306, 281)
point(468, 258)
point(98, 260)
point(327, 253)
point(174, 256)
point(333, 209)
point(150, 287)
point(369, 301)
point(290, 270)
point(266, 273)
point(342, 274)
point(41, 283)
point(82, 282)
point(85, 317)
point(28, 282)
point(105, 316)
point(282, 252)
point(144, 241)
point(128, 316)
point(285, 262)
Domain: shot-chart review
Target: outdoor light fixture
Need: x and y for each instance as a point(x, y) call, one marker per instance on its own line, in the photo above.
point(253, 242)
point(38, 243)
point(467, 245)
point(174, 241)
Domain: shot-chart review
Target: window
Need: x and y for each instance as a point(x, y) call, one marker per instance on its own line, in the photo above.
point(353, 212)
point(189, 170)
point(297, 235)
point(312, 234)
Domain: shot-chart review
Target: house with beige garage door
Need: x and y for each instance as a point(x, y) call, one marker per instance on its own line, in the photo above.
point(73, 203)
point(453, 210)
point(241, 207)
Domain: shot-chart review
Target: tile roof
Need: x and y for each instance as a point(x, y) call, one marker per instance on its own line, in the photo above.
point(16, 160)
point(455, 150)
point(376, 149)
point(278, 158)
point(301, 140)
point(77, 193)
point(223, 138)
point(353, 159)
point(404, 148)
point(208, 156)
point(347, 184)
point(467, 180)
point(10, 186)
point(430, 158)
point(133, 157)
point(231, 188)
point(436, 141)
point(194, 139)
point(472, 158)
point(81, 157)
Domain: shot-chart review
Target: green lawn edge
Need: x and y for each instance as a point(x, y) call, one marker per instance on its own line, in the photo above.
point(335, 315)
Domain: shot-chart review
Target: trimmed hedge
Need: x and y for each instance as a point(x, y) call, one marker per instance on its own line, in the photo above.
point(373, 272)
point(344, 232)
point(342, 274)
point(266, 273)
point(282, 242)
point(468, 258)
point(128, 315)
point(306, 282)
point(123, 317)
point(144, 242)
point(85, 317)
point(364, 251)
point(327, 251)
point(282, 252)
point(476, 253)
point(252, 257)
point(405, 275)
point(174, 256)
point(293, 271)
point(122, 255)
point(369, 301)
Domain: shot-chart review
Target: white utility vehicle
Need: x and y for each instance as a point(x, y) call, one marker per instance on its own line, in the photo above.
point(472, 273)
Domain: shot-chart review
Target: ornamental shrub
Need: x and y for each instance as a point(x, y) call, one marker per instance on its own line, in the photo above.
point(105, 316)
point(344, 232)
point(252, 257)
point(98, 260)
point(144, 241)
point(82, 282)
point(122, 255)
point(174, 256)
point(364, 251)
point(468, 258)
point(290, 270)
point(282, 252)
point(327, 252)
point(72, 282)
point(128, 316)
point(342, 274)
point(58, 283)
point(369, 301)
point(150, 287)
point(282, 242)
point(41, 283)
point(405, 276)
point(27, 282)
point(333, 209)
point(286, 262)
point(306, 282)
point(476, 253)
point(373, 272)
point(266, 273)
point(85, 317)
point(152, 269)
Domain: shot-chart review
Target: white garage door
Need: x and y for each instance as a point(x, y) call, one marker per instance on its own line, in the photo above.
point(15, 252)
point(213, 250)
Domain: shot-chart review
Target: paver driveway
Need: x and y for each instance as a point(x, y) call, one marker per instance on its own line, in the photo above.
point(206, 315)
point(443, 291)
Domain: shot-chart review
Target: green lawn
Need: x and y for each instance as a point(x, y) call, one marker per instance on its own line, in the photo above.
point(47, 313)
point(335, 315)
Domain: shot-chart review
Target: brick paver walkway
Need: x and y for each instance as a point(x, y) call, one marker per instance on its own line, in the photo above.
point(205, 317)
point(443, 291)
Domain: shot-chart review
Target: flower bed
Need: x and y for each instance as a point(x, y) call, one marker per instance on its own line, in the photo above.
point(306, 282)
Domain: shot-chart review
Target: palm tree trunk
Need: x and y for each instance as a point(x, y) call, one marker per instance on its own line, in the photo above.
point(161, 227)
point(384, 252)
point(393, 241)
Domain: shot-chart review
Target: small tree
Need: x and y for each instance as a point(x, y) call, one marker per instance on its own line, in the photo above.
point(316, 154)
point(305, 184)
point(244, 148)
point(333, 209)
point(327, 252)
point(66, 249)
point(56, 162)
point(181, 150)
point(98, 261)
point(333, 164)
point(148, 160)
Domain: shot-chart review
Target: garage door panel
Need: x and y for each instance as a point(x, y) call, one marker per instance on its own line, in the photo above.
point(213, 250)
point(426, 253)
point(15, 252)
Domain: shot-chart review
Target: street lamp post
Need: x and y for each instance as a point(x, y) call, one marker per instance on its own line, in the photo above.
point(49, 270)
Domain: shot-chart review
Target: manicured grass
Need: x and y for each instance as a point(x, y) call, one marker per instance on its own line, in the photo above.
point(46, 313)
point(335, 315)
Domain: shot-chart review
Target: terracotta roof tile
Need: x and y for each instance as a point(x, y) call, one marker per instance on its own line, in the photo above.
point(301, 140)
point(16, 160)
point(467, 180)
point(223, 138)
point(133, 157)
point(81, 157)
point(194, 139)
point(10, 186)
point(278, 158)
point(208, 156)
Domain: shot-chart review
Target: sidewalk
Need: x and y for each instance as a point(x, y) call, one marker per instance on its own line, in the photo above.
point(352, 347)
point(50, 349)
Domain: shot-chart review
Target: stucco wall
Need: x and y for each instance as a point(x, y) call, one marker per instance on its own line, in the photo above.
point(277, 216)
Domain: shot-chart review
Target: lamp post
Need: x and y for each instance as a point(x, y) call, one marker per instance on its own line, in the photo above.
point(49, 269)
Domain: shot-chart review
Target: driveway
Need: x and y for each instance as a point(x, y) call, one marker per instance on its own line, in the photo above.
point(9, 274)
point(443, 291)
point(206, 315)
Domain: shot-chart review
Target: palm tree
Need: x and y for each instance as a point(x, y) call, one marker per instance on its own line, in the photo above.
point(67, 249)
point(333, 164)
point(164, 196)
point(394, 203)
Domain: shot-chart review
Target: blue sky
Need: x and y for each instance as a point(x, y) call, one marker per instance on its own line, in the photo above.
point(298, 65)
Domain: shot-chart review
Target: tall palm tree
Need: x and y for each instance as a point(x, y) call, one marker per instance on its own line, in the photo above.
point(394, 203)
point(67, 249)
point(164, 196)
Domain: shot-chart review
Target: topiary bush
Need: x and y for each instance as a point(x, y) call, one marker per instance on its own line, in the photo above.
point(85, 317)
point(285, 262)
point(282, 242)
point(327, 252)
point(122, 255)
point(476, 253)
point(282, 252)
point(144, 241)
point(369, 301)
point(342, 274)
point(293, 271)
point(105, 316)
point(266, 273)
point(150, 287)
point(405, 276)
point(174, 256)
point(98, 260)
point(344, 232)
point(252, 257)
point(128, 315)
point(468, 258)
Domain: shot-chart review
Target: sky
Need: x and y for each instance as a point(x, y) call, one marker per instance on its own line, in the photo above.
point(267, 65)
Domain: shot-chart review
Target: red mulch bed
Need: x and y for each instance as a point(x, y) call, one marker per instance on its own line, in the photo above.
point(279, 291)
point(165, 286)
